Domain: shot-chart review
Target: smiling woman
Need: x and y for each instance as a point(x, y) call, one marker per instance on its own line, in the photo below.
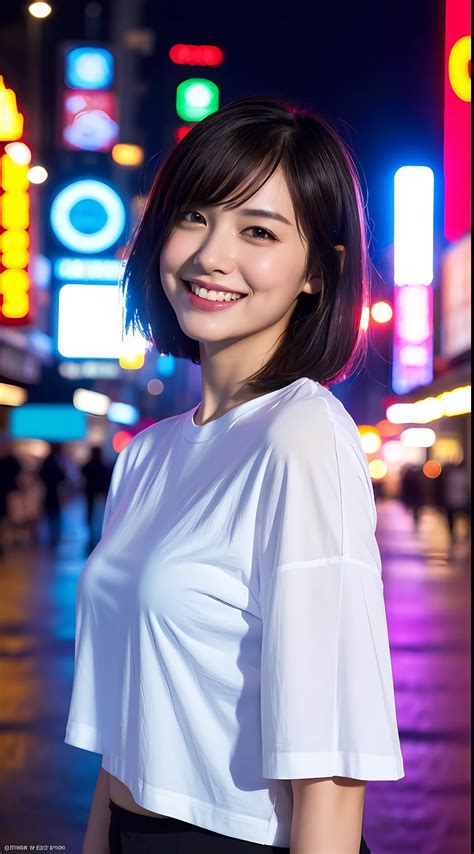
point(260, 180)
point(232, 657)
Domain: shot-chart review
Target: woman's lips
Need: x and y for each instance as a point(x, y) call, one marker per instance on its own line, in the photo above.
point(208, 305)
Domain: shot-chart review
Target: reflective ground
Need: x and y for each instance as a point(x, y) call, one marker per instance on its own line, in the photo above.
point(47, 785)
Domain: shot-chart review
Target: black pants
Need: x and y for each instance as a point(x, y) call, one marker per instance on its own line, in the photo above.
point(131, 833)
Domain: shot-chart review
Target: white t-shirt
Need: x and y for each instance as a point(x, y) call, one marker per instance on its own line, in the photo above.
point(231, 632)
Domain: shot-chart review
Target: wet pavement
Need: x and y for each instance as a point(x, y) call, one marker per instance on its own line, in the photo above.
point(47, 785)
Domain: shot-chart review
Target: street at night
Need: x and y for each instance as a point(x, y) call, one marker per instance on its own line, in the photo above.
point(427, 590)
point(235, 427)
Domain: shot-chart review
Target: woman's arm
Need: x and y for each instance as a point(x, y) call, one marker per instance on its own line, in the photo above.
point(327, 815)
point(96, 840)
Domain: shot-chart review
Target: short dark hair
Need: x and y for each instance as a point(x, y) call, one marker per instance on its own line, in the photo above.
point(227, 157)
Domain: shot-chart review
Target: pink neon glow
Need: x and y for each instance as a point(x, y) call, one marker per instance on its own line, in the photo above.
point(413, 337)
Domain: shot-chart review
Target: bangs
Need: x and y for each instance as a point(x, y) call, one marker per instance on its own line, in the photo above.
point(231, 174)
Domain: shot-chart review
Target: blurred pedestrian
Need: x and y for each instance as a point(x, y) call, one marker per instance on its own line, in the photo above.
point(96, 474)
point(412, 491)
point(52, 472)
point(455, 495)
point(10, 469)
point(24, 509)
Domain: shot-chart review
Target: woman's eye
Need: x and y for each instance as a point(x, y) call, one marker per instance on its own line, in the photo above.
point(186, 214)
point(262, 234)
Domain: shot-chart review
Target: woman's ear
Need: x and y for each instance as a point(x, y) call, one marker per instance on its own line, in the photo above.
point(315, 282)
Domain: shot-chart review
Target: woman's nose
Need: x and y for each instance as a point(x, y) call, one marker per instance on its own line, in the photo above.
point(215, 253)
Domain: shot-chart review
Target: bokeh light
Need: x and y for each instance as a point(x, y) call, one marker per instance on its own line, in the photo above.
point(132, 362)
point(371, 442)
point(127, 155)
point(378, 469)
point(381, 312)
point(432, 469)
point(418, 437)
point(120, 440)
point(19, 153)
point(155, 387)
point(39, 10)
point(370, 438)
point(12, 395)
point(37, 175)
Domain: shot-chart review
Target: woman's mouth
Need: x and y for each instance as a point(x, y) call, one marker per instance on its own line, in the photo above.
point(210, 300)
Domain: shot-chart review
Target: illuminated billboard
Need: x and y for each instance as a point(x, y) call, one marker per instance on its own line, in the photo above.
point(89, 120)
point(15, 215)
point(456, 299)
point(52, 422)
point(89, 67)
point(412, 361)
point(90, 323)
point(412, 338)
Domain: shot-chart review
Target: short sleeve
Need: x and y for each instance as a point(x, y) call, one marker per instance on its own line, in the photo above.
point(327, 696)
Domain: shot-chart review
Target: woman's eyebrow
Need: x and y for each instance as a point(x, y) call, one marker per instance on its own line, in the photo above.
point(261, 212)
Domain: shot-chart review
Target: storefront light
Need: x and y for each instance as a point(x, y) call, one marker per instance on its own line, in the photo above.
point(457, 401)
point(92, 402)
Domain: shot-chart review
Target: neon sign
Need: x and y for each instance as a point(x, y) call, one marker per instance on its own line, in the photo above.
point(88, 216)
point(14, 242)
point(11, 121)
point(413, 274)
point(413, 337)
point(413, 237)
point(196, 98)
point(90, 121)
point(196, 54)
point(89, 68)
point(88, 269)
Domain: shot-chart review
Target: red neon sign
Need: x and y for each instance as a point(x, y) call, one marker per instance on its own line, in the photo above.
point(196, 54)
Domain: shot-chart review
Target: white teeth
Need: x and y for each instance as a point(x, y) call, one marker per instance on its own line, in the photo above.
point(214, 296)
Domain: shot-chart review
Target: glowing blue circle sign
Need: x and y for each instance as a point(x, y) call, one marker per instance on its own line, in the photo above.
point(89, 68)
point(88, 216)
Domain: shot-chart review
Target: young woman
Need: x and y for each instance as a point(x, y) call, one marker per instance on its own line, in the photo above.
point(232, 660)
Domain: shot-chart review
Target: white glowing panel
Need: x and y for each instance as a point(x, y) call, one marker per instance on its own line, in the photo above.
point(414, 222)
point(90, 323)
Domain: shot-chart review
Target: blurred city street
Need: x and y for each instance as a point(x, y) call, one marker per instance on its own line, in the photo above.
point(47, 785)
point(160, 162)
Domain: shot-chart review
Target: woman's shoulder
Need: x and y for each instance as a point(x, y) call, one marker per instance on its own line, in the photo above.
point(312, 414)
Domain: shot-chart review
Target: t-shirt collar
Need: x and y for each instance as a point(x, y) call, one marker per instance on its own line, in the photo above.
point(193, 432)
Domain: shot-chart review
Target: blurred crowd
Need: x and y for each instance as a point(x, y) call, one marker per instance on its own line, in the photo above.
point(449, 493)
point(32, 498)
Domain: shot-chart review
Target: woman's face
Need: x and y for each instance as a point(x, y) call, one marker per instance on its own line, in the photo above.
point(253, 250)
